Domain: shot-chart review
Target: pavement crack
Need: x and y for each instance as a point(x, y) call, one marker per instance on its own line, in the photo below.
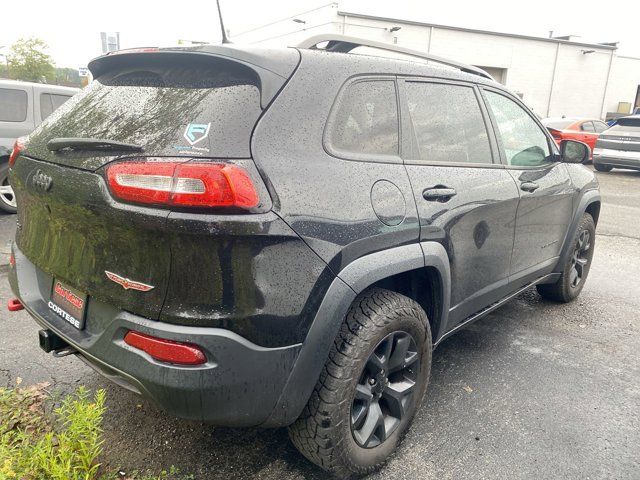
point(618, 235)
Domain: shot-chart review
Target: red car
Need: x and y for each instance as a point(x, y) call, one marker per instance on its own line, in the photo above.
point(585, 130)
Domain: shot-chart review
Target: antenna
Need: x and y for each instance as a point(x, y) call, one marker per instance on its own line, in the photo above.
point(224, 32)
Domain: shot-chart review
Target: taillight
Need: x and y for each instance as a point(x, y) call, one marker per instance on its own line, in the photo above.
point(167, 351)
point(12, 260)
point(18, 146)
point(183, 184)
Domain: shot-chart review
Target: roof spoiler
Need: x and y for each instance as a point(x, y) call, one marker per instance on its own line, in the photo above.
point(345, 44)
point(272, 71)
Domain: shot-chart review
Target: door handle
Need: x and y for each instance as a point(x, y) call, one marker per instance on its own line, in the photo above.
point(529, 186)
point(438, 193)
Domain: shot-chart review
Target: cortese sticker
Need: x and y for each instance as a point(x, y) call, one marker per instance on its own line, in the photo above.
point(72, 320)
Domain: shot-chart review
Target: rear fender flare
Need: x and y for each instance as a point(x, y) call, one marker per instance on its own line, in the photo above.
point(353, 279)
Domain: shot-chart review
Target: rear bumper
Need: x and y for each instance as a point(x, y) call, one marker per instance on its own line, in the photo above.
point(238, 386)
point(616, 158)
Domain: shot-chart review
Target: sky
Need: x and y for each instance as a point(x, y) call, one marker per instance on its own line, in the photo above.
point(72, 28)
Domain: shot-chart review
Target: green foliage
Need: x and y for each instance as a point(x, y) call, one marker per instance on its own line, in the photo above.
point(29, 61)
point(66, 448)
point(62, 446)
point(68, 77)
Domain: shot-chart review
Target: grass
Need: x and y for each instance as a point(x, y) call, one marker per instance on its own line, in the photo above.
point(64, 444)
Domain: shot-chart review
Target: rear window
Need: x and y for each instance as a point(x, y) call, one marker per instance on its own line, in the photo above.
point(191, 106)
point(13, 105)
point(629, 121)
point(557, 124)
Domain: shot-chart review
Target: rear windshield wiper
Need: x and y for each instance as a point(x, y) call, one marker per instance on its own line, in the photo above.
point(58, 144)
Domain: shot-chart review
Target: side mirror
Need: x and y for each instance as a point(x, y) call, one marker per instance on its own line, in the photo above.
point(572, 151)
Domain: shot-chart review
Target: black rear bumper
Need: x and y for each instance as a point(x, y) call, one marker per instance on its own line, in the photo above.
point(238, 386)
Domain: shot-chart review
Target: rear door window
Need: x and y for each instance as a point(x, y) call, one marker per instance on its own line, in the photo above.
point(365, 120)
point(50, 102)
point(600, 126)
point(588, 127)
point(13, 105)
point(448, 123)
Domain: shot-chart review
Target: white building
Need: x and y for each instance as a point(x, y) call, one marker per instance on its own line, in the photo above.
point(554, 76)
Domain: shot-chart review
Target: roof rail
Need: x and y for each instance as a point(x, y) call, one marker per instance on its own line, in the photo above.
point(344, 44)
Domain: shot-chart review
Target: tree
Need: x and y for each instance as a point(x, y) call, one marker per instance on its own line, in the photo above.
point(68, 77)
point(28, 61)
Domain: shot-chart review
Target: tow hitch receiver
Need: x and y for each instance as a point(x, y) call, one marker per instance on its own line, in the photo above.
point(14, 305)
point(50, 342)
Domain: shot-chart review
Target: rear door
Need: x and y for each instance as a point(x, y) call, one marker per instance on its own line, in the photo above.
point(588, 134)
point(546, 191)
point(465, 197)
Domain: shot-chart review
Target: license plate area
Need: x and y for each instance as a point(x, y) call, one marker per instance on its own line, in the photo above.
point(68, 303)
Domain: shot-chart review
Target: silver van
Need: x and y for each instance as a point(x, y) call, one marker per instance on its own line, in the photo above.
point(23, 106)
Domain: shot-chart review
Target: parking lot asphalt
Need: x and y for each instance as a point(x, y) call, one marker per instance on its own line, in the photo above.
point(534, 390)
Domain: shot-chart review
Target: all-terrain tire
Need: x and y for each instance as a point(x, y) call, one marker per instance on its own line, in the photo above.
point(323, 433)
point(564, 289)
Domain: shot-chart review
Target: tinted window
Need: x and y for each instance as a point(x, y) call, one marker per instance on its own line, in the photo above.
point(366, 120)
point(448, 123)
point(191, 106)
point(587, 127)
point(523, 141)
point(13, 105)
point(600, 126)
point(49, 102)
point(629, 121)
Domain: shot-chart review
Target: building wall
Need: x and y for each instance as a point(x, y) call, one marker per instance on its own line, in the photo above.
point(554, 78)
point(623, 82)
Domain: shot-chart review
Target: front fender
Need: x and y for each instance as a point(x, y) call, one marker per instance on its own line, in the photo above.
point(352, 280)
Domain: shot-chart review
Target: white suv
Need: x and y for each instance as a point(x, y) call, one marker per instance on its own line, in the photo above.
point(23, 106)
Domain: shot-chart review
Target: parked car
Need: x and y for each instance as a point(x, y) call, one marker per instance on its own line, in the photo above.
point(619, 146)
point(216, 230)
point(584, 130)
point(23, 106)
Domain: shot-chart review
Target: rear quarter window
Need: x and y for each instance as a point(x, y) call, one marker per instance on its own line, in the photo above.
point(13, 105)
point(364, 120)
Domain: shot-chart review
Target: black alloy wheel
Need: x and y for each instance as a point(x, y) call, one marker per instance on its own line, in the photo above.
point(580, 258)
point(384, 389)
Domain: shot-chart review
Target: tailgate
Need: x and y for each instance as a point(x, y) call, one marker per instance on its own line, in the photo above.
point(75, 232)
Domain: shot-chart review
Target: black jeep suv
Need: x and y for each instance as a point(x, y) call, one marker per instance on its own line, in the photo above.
point(255, 237)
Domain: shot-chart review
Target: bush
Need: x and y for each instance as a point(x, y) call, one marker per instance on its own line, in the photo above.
point(63, 448)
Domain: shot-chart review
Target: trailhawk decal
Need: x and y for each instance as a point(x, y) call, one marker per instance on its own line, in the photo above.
point(128, 284)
